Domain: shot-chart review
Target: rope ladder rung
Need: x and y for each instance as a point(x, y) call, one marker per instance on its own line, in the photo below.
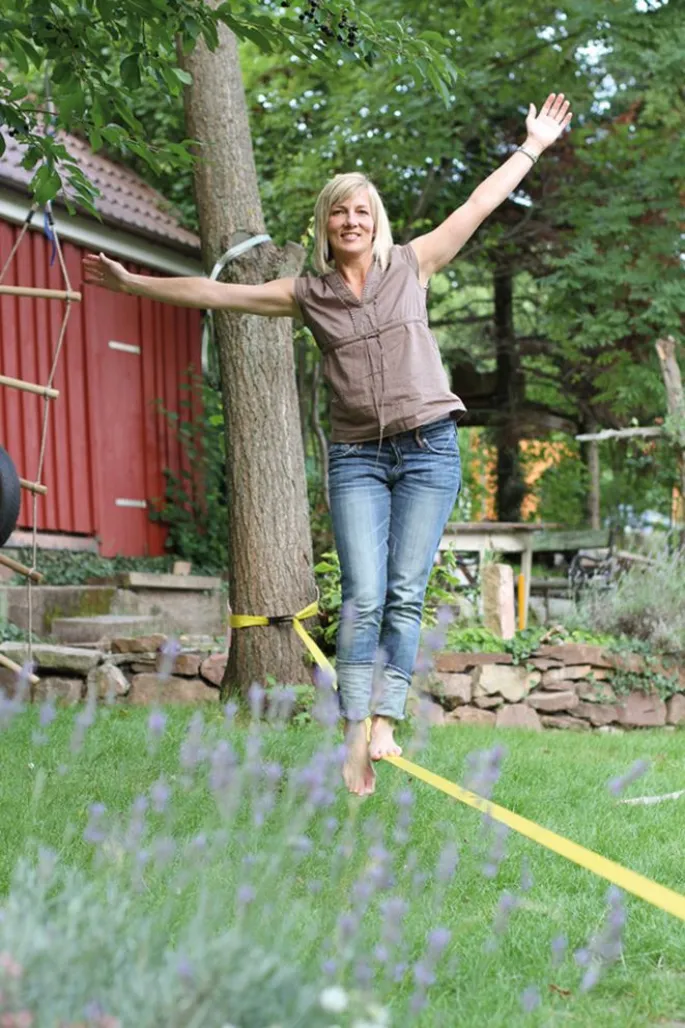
point(39, 293)
point(33, 487)
point(21, 569)
point(11, 666)
point(29, 387)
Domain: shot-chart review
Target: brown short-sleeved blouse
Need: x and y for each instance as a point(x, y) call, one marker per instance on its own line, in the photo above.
point(380, 358)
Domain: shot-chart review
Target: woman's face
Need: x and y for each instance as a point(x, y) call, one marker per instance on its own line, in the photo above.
point(350, 226)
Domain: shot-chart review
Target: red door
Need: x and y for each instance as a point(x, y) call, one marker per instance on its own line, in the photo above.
point(118, 417)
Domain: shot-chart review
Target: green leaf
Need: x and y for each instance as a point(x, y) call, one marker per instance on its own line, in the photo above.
point(46, 184)
point(129, 69)
point(183, 76)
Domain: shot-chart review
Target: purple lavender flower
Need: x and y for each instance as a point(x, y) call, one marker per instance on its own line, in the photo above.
point(160, 794)
point(245, 895)
point(329, 967)
point(591, 977)
point(424, 974)
point(347, 925)
point(348, 614)
point(156, 723)
point(223, 762)
point(47, 713)
point(363, 974)
point(398, 972)
point(438, 938)
point(506, 905)
point(448, 861)
point(582, 956)
point(94, 832)
point(184, 968)
point(256, 696)
point(192, 751)
point(530, 999)
point(169, 651)
point(230, 711)
point(526, 876)
point(637, 770)
point(559, 945)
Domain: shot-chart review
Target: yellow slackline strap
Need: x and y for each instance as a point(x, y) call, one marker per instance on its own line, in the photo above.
point(658, 895)
point(249, 621)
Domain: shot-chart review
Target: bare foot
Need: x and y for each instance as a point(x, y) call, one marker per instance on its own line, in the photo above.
point(358, 775)
point(382, 743)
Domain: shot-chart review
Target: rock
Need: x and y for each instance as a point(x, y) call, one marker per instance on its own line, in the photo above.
point(187, 665)
point(510, 682)
point(518, 715)
point(543, 663)
point(597, 713)
point(642, 710)
point(457, 663)
point(149, 689)
point(577, 653)
point(67, 691)
point(549, 702)
point(424, 708)
point(599, 692)
point(633, 662)
point(471, 716)
point(567, 673)
point(560, 685)
point(108, 682)
point(564, 722)
point(140, 644)
point(141, 667)
point(213, 668)
point(453, 689)
point(488, 702)
point(54, 658)
point(497, 592)
point(675, 709)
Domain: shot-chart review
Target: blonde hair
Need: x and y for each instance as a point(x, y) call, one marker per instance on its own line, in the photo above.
point(340, 188)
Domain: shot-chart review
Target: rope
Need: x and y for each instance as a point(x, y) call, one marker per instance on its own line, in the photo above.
point(51, 232)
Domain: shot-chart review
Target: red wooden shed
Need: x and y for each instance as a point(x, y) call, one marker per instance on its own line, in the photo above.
point(123, 356)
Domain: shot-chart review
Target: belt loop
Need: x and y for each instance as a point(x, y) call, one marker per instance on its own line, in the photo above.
point(417, 437)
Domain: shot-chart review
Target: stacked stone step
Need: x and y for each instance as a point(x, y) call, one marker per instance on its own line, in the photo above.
point(127, 672)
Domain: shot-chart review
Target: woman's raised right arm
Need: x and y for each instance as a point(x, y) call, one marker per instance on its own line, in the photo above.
point(275, 299)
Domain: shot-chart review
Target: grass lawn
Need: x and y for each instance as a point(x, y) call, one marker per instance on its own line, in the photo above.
point(557, 779)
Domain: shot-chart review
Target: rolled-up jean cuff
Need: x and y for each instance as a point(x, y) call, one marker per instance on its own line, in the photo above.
point(354, 689)
point(392, 702)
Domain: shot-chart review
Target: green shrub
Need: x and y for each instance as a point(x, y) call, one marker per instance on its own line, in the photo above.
point(645, 604)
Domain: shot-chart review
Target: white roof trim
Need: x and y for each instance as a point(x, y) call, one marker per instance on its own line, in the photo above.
point(97, 236)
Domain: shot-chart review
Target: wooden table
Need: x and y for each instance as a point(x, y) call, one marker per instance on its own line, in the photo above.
point(496, 537)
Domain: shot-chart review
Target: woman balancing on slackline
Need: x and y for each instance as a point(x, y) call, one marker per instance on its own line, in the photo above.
point(394, 459)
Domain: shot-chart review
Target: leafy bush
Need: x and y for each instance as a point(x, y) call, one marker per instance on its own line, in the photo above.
point(67, 567)
point(645, 603)
point(195, 505)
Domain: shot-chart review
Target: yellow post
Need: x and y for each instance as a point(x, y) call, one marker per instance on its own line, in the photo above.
point(522, 602)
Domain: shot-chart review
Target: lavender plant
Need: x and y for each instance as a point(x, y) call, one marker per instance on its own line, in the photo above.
point(284, 905)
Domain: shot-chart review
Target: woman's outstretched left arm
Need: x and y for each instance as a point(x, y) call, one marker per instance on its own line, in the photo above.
point(437, 248)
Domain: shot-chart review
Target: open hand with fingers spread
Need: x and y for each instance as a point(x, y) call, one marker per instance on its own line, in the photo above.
point(101, 271)
point(546, 127)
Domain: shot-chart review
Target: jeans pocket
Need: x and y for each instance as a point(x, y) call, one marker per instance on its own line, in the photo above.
point(439, 438)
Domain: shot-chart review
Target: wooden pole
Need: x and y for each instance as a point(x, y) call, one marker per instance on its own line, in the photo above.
point(40, 294)
point(675, 401)
point(29, 387)
point(21, 569)
point(11, 666)
point(33, 487)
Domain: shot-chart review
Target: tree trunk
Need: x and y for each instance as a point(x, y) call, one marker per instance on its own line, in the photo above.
point(675, 401)
point(590, 456)
point(511, 486)
point(270, 551)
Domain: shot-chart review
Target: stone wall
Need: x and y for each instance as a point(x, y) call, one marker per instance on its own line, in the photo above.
point(126, 673)
point(570, 686)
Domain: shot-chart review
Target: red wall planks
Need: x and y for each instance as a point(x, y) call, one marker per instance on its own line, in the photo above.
point(107, 439)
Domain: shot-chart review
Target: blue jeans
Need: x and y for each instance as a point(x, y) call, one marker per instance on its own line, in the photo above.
point(389, 505)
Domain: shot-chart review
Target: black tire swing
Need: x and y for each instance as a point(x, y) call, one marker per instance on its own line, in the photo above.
point(10, 496)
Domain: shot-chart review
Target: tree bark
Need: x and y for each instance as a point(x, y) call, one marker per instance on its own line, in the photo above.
point(675, 401)
point(509, 389)
point(270, 551)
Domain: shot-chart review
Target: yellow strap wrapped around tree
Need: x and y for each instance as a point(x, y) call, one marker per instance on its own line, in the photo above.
point(253, 621)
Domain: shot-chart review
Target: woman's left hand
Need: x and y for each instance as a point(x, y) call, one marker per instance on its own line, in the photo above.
point(544, 128)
